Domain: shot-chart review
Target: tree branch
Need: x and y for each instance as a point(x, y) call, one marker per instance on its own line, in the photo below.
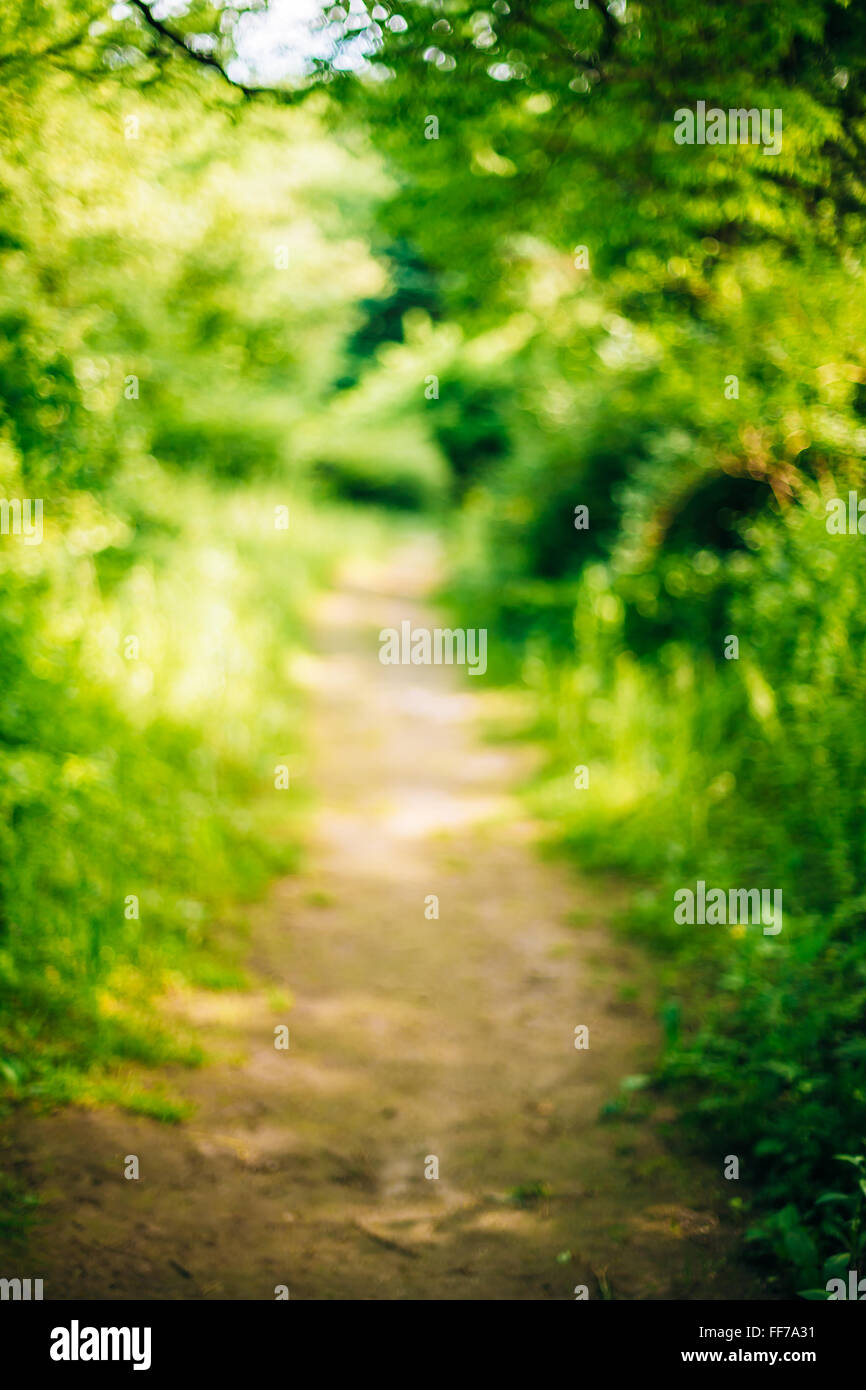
point(611, 27)
point(178, 42)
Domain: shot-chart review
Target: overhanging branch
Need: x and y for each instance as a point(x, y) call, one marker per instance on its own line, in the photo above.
point(179, 43)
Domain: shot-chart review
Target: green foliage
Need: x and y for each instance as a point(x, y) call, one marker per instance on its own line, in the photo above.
point(156, 370)
point(149, 774)
point(696, 380)
point(740, 772)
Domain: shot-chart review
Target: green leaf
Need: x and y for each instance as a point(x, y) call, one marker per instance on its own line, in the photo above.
point(769, 1146)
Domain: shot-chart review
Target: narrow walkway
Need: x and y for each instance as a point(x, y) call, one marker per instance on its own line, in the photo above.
point(411, 1039)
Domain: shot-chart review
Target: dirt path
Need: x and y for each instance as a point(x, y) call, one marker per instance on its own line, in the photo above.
point(409, 1039)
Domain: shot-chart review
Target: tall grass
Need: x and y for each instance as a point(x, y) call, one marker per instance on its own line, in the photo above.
point(146, 649)
point(746, 772)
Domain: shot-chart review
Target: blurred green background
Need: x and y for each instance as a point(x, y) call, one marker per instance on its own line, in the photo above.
point(240, 270)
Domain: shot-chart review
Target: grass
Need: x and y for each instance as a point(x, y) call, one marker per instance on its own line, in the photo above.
point(741, 773)
point(148, 704)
